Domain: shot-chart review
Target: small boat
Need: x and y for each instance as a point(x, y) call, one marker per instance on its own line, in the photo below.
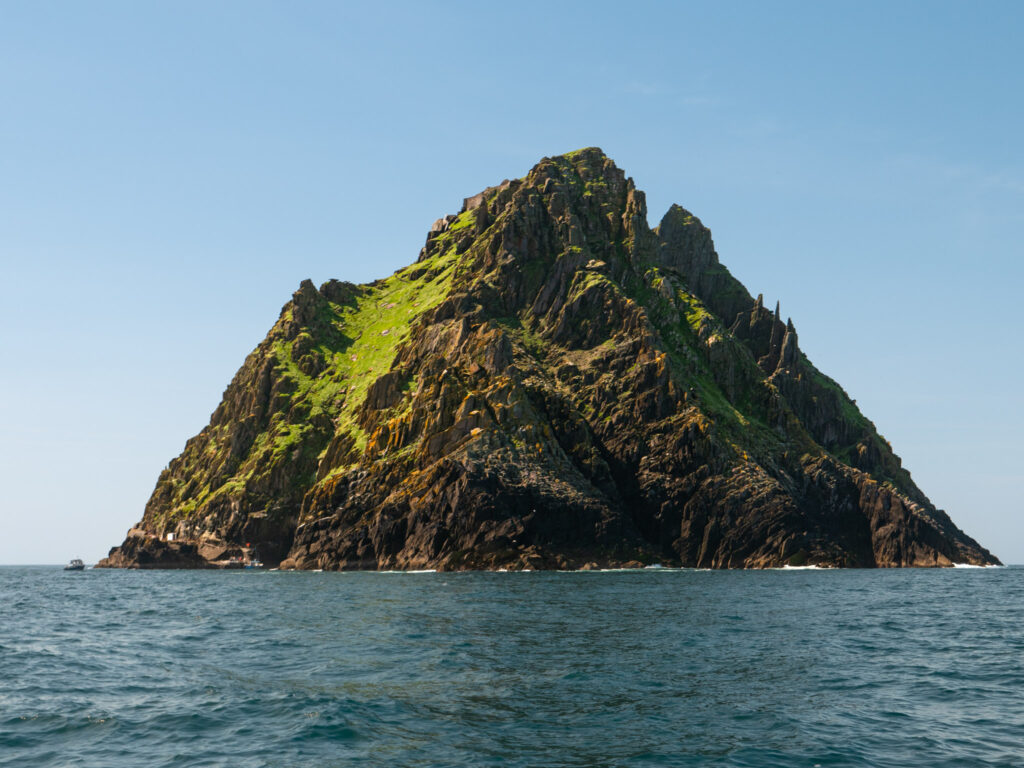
point(75, 565)
point(254, 563)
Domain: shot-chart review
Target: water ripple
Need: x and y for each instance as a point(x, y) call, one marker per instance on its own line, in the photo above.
point(659, 668)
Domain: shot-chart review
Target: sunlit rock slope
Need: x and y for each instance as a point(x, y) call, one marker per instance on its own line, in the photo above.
point(552, 384)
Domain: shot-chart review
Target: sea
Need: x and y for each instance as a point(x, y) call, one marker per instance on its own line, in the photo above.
point(654, 667)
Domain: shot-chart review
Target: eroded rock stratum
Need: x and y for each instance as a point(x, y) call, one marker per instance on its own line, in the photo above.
point(552, 384)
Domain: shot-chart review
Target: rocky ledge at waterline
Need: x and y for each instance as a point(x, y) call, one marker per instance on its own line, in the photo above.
point(552, 384)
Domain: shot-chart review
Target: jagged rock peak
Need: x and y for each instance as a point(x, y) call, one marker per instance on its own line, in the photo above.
point(585, 173)
point(591, 166)
point(552, 384)
point(570, 188)
point(685, 246)
point(684, 243)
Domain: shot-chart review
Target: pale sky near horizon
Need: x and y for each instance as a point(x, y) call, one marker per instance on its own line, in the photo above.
point(170, 172)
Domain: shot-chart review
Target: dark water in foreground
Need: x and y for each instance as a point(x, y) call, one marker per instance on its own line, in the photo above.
point(675, 668)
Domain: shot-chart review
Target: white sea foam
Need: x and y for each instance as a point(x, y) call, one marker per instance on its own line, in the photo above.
point(971, 565)
point(639, 570)
point(800, 568)
point(646, 568)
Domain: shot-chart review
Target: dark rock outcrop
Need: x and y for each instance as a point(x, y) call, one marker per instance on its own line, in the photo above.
point(145, 550)
point(551, 385)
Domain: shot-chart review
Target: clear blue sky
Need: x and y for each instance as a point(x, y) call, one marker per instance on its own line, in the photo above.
point(170, 172)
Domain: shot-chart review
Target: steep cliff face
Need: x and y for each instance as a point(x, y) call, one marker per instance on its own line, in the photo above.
point(551, 384)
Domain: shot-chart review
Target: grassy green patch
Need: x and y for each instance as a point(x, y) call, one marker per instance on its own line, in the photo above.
point(377, 324)
point(462, 221)
point(358, 342)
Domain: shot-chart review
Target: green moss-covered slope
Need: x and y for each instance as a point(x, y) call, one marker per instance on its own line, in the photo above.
point(551, 384)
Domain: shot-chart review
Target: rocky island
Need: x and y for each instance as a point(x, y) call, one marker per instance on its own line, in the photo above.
point(553, 384)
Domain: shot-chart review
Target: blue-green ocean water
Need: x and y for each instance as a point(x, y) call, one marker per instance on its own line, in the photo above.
point(645, 668)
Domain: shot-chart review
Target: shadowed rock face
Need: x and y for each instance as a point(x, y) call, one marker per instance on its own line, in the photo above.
point(551, 384)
